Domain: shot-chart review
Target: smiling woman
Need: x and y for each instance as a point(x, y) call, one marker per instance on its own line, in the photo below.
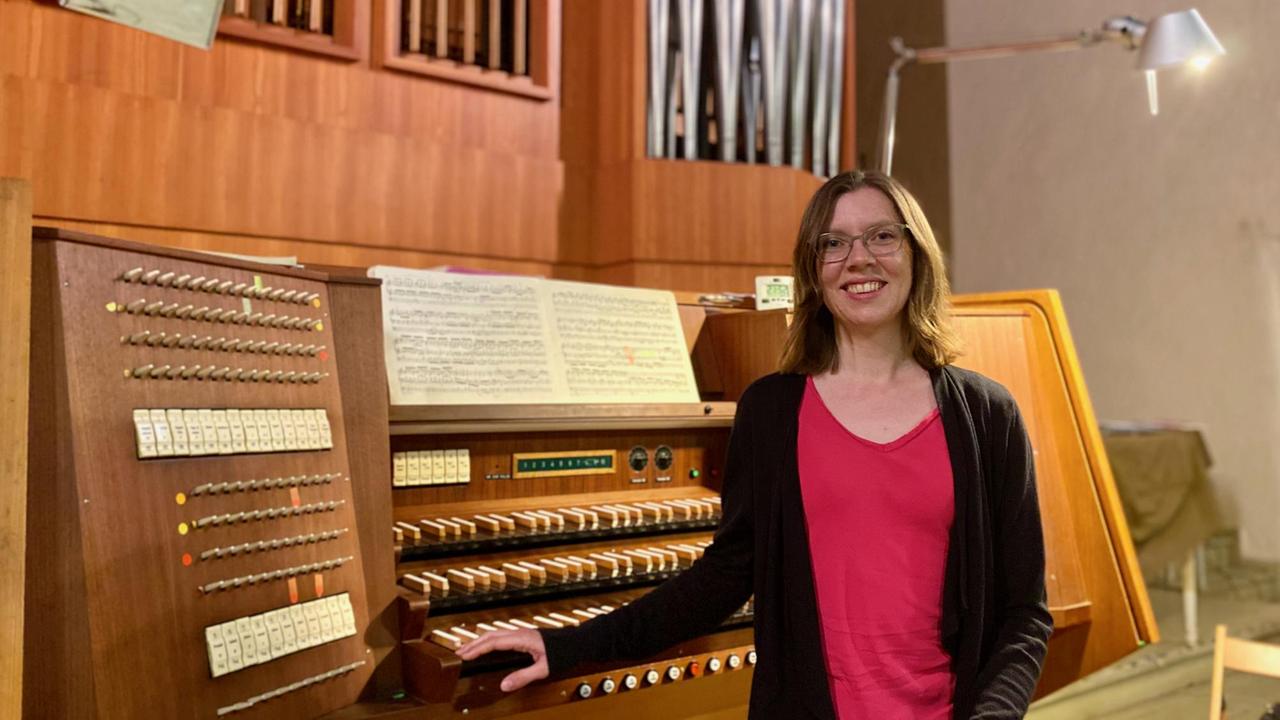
point(867, 462)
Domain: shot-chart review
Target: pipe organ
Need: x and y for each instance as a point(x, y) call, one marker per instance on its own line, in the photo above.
point(227, 519)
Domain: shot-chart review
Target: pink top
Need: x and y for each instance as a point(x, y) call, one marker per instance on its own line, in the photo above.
point(879, 519)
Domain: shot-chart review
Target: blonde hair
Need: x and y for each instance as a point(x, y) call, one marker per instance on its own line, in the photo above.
point(810, 347)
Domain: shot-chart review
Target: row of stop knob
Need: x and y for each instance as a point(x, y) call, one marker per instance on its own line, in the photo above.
point(212, 372)
point(690, 670)
point(204, 313)
point(200, 283)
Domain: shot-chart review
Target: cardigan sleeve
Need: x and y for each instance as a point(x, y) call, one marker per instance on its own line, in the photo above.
point(1007, 680)
point(694, 602)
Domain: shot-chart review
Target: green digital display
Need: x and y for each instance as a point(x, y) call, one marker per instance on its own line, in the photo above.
point(567, 463)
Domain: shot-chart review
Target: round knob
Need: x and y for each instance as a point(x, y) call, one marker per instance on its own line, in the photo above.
point(651, 677)
point(608, 685)
point(694, 669)
point(630, 682)
point(583, 691)
point(714, 664)
point(734, 661)
point(751, 657)
point(674, 672)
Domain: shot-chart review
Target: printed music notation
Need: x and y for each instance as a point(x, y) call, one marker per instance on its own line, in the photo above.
point(468, 339)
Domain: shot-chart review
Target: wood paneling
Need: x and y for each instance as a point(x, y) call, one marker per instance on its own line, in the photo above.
point(114, 126)
point(15, 326)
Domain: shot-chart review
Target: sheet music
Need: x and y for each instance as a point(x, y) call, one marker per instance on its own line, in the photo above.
point(462, 339)
point(479, 339)
point(621, 344)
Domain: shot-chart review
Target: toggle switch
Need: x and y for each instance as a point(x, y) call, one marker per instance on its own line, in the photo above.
point(198, 313)
point(158, 372)
point(315, 350)
point(219, 373)
point(184, 311)
point(150, 276)
point(195, 282)
point(172, 340)
point(210, 285)
point(288, 295)
point(266, 320)
point(237, 289)
point(180, 281)
point(174, 373)
point(142, 370)
point(169, 310)
point(153, 308)
point(190, 372)
point(165, 279)
point(224, 286)
point(275, 294)
point(131, 275)
point(155, 340)
point(136, 338)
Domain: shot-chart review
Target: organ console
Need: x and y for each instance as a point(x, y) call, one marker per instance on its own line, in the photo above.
point(226, 517)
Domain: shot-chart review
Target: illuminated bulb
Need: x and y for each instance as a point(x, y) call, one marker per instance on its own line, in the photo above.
point(1201, 62)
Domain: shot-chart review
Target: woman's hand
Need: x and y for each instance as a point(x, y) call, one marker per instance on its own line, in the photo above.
point(525, 641)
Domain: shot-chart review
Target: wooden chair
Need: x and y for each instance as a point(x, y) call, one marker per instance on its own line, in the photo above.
point(1239, 654)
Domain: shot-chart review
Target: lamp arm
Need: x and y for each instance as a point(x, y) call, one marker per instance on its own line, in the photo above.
point(1126, 30)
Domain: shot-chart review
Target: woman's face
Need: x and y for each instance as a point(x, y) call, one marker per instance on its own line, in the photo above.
point(865, 291)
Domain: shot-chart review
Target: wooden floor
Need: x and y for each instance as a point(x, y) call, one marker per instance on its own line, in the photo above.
point(1170, 681)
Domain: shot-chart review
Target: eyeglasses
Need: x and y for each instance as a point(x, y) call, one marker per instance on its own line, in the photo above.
point(881, 240)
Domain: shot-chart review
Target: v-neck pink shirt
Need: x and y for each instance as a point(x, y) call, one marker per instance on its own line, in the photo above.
point(879, 519)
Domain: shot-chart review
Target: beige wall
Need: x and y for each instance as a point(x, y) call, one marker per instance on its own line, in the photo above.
point(1162, 233)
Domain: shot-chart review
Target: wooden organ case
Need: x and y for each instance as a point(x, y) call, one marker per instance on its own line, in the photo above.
point(351, 560)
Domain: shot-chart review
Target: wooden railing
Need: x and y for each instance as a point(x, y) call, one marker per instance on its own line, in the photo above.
point(504, 45)
point(338, 28)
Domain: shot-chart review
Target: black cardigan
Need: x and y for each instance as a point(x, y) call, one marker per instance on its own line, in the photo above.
point(995, 622)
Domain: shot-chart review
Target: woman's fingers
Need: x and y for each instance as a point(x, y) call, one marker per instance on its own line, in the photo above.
point(526, 641)
point(520, 678)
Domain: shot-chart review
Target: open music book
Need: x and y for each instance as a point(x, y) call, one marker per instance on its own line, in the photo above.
point(455, 339)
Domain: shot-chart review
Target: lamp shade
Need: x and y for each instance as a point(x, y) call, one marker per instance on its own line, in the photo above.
point(1175, 39)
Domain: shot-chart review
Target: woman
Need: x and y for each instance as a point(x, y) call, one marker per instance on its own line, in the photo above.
point(879, 502)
